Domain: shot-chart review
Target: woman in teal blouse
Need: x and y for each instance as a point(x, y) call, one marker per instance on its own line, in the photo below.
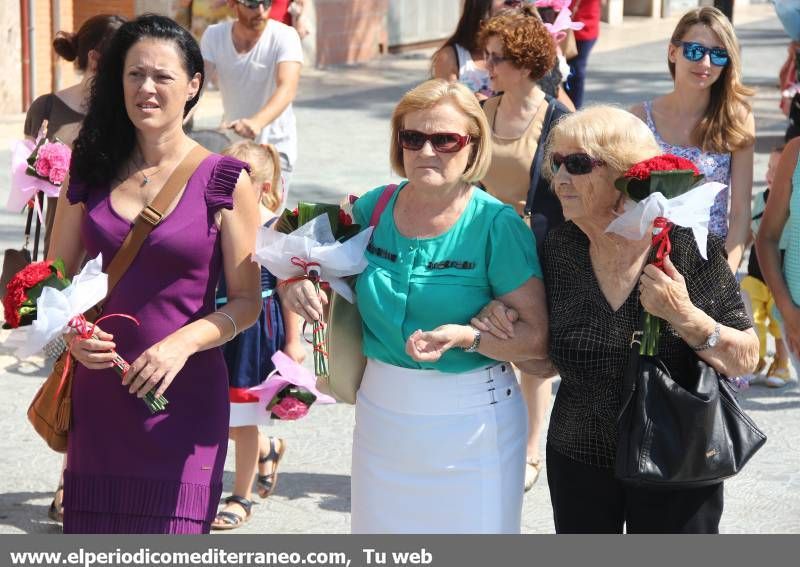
point(439, 442)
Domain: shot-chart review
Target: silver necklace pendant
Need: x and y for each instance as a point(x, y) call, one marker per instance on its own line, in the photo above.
point(146, 180)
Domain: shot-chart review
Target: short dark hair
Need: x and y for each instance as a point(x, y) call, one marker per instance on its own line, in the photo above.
point(107, 136)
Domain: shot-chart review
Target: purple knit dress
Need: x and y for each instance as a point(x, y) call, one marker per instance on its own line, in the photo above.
point(129, 471)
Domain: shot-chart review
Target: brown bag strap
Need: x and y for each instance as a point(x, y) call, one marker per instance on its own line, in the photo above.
point(152, 215)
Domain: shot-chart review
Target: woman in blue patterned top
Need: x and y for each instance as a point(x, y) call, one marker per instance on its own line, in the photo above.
point(707, 119)
point(439, 441)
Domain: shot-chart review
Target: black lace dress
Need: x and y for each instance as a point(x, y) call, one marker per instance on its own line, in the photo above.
point(589, 342)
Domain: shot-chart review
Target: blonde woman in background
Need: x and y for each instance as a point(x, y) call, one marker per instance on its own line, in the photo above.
point(706, 118)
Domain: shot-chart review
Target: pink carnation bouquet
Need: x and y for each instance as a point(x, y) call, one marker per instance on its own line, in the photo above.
point(50, 161)
point(289, 392)
point(37, 166)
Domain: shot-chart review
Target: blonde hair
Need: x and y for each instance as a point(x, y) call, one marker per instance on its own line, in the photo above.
point(605, 132)
point(722, 128)
point(265, 165)
point(429, 94)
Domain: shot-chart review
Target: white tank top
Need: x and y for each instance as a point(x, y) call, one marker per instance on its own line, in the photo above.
point(469, 74)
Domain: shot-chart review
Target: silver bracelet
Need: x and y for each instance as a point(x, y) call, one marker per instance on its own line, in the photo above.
point(476, 341)
point(235, 328)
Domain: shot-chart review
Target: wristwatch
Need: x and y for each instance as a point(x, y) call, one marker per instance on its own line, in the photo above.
point(711, 341)
point(476, 342)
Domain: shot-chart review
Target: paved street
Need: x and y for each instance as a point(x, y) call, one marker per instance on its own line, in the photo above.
point(343, 119)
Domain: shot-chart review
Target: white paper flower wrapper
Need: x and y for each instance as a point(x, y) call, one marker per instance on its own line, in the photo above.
point(690, 210)
point(313, 242)
point(55, 308)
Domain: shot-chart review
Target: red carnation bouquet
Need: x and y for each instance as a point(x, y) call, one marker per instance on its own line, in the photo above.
point(38, 287)
point(19, 304)
point(656, 184)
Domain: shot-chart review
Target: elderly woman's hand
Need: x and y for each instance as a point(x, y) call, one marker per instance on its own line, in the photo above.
point(429, 346)
point(301, 298)
point(664, 293)
point(496, 318)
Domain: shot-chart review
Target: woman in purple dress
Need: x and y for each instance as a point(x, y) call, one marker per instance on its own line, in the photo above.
point(129, 471)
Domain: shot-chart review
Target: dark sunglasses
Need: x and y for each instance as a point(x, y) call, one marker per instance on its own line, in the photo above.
point(512, 3)
point(442, 142)
point(253, 4)
point(694, 52)
point(576, 164)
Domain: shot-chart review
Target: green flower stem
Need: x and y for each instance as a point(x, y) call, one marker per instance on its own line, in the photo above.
point(650, 325)
point(318, 337)
point(651, 333)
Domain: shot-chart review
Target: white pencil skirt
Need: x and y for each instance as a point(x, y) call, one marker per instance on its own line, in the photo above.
point(438, 453)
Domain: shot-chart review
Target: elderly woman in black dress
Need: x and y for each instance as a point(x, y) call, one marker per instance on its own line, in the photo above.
point(595, 282)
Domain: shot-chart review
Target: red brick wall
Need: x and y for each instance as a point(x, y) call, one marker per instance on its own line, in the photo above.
point(350, 31)
point(85, 9)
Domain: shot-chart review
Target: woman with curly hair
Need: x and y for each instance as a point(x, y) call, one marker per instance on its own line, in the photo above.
point(707, 119)
point(462, 59)
point(519, 51)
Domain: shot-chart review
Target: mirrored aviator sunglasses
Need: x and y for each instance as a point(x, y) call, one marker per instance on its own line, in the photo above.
point(694, 52)
point(576, 164)
point(442, 142)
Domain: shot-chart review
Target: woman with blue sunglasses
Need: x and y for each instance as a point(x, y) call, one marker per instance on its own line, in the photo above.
point(707, 119)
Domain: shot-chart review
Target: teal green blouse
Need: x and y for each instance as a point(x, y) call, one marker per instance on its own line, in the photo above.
point(422, 283)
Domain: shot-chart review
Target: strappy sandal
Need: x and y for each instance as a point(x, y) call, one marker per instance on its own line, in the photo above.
point(56, 511)
point(228, 520)
point(532, 469)
point(266, 483)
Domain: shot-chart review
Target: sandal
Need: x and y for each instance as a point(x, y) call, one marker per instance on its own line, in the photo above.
point(265, 483)
point(532, 469)
point(56, 511)
point(228, 520)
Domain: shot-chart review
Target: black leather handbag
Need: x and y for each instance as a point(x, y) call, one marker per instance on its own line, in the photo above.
point(670, 437)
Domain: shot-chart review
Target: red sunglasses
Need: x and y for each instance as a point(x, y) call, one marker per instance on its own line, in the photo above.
point(442, 142)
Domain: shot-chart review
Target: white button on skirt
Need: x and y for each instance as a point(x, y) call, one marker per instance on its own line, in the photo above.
point(438, 453)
